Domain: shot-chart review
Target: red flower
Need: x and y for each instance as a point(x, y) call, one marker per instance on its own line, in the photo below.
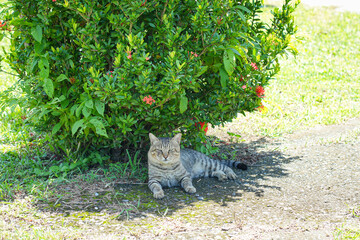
point(202, 124)
point(148, 100)
point(195, 54)
point(129, 56)
point(2, 23)
point(54, 0)
point(254, 66)
point(243, 87)
point(147, 58)
point(260, 108)
point(260, 91)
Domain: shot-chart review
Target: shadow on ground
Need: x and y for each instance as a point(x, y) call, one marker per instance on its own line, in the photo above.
point(130, 201)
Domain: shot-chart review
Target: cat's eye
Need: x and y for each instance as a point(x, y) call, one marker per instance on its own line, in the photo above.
point(156, 151)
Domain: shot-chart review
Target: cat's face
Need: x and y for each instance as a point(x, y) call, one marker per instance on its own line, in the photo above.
point(164, 150)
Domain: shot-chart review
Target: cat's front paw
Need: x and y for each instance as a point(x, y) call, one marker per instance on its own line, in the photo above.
point(159, 194)
point(231, 175)
point(222, 176)
point(190, 189)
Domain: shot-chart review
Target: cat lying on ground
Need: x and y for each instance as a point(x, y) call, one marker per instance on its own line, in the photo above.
point(171, 166)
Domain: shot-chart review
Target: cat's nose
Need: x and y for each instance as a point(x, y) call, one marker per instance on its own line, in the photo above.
point(165, 157)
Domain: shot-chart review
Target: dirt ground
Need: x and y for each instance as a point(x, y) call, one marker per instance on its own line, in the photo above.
point(303, 186)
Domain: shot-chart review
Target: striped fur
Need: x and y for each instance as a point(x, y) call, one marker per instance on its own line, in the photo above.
point(171, 166)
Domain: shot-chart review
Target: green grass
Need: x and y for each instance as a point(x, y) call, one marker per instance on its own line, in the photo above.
point(320, 86)
point(349, 233)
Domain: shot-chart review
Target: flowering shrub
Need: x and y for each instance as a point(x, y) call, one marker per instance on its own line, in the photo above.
point(107, 73)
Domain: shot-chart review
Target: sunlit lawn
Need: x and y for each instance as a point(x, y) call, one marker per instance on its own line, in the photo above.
point(321, 85)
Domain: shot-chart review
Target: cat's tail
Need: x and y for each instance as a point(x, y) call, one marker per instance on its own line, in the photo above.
point(234, 164)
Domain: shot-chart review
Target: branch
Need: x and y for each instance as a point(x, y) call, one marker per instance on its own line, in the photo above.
point(211, 37)
point(166, 100)
point(8, 73)
point(162, 14)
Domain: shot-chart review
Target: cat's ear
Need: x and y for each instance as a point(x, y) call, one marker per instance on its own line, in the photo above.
point(177, 138)
point(153, 139)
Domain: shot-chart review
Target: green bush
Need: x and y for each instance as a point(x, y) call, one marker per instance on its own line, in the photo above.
point(106, 73)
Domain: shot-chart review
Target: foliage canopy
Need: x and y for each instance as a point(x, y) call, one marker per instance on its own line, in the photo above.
point(107, 73)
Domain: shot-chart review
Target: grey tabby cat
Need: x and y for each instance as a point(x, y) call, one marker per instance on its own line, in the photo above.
point(171, 166)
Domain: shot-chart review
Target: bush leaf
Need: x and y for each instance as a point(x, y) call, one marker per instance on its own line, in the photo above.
point(229, 61)
point(99, 127)
point(202, 71)
point(89, 103)
point(61, 78)
point(183, 104)
point(100, 107)
point(86, 111)
point(44, 68)
point(37, 33)
point(223, 78)
point(76, 126)
point(49, 87)
point(56, 128)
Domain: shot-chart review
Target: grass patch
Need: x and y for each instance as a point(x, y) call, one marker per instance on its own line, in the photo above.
point(320, 86)
point(22, 173)
point(349, 233)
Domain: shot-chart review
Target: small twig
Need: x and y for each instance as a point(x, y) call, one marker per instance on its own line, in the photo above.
point(57, 201)
point(211, 37)
point(8, 73)
point(202, 38)
point(130, 183)
point(159, 105)
point(203, 51)
point(162, 14)
point(123, 12)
